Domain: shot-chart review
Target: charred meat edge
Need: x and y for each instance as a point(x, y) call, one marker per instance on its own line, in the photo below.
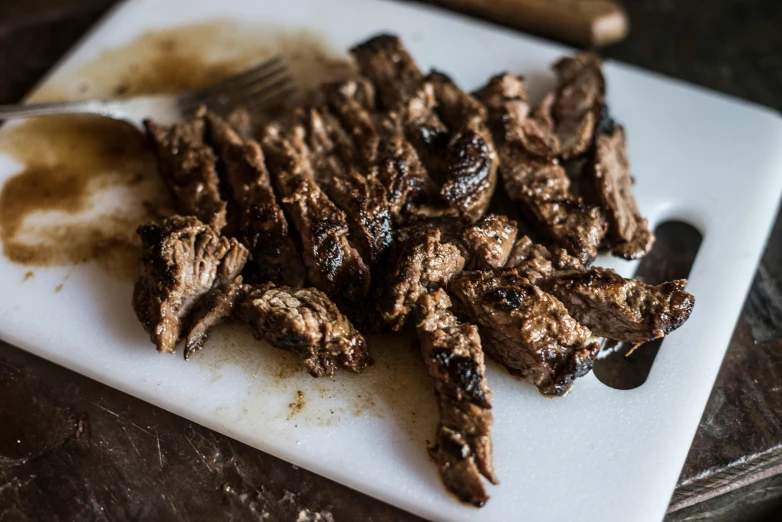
point(182, 259)
point(525, 328)
point(452, 351)
point(306, 322)
point(188, 168)
point(421, 263)
point(622, 309)
point(262, 226)
point(609, 172)
point(333, 264)
point(532, 175)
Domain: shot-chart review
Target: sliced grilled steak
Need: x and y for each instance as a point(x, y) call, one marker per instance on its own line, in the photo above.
point(405, 95)
point(213, 308)
point(351, 101)
point(471, 164)
point(532, 175)
point(182, 260)
point(262, 226)
point(420, 263)
point(525, 328)
point(622, 309)
point(628, 234)
point(489, 241)
point(305, 322)
point(187, 166)
point(580, 96)
point(539, 263)
point(452, 351)
point(401, 172)
point(333, 264)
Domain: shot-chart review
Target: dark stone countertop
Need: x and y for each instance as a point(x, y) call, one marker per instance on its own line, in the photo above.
point(88, 452)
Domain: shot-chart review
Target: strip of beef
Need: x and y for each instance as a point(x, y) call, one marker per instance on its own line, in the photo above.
point(213, 308)
point(405, 95)
point(182, 260)
point(622, 309)
point(609, 171)
point(420, 263)
point(400, 171)
point(188, 167)
point(362, 198)
point(580, 97)
point(489, 241)
point(532, 175)
point(306, 322)
point(351, 101)
point(525, 328)
point(471, 161)
point(333, 264)
point(262, 226)
point(452, 351)
point(539, 263)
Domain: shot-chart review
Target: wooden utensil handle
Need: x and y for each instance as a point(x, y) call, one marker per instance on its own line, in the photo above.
point(584, 22)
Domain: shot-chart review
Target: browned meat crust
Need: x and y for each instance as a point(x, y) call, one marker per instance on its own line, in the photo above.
point(525, 328)
point(351, 101)
point(489, 241)
point(261, 223)
point(580, 95)
point(420, 263)
point(539, 263)
point(213, 308)
point(187, 166)
point(532, 175)
point(471, 164)
point(305, 322)
point(623, 309)
point(609, 171)
point(452, 351)
point(405, 96)
point(333, 264)
point(182, 260)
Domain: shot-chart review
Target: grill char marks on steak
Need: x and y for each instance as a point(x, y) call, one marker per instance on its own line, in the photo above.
point(182, 260)
point(525, 328)
point(333, 154)
point(188, 167)
point(333, 264)
point(213, 308)
point(489, 241)
point(609, 171)
point(576, 108)
point(471, 164)
point(351, 101)
point(539, 263)
point(621, 309)
point(405, 96)
point(452, 351)
point(262, 226)
point(420, 263)
point(305, 322)
point(532, 175)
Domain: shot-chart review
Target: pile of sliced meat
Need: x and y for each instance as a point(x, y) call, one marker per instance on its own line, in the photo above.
point(367, 211)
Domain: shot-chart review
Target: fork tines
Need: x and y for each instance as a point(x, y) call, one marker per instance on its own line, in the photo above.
point(255, 87)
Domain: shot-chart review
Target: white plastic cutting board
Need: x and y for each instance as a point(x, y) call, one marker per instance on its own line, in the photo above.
point(597, 455)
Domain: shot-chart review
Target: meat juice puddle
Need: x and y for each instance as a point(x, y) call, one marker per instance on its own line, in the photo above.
point(50, 211)
point(68, 163)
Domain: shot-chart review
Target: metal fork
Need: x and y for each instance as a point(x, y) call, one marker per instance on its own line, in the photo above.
point(253, 88)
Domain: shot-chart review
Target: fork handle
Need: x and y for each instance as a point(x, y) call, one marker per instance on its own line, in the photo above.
point(97, 107)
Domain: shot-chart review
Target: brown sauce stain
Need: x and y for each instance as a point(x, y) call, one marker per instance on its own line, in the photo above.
point(68, 162)
point(297, 405)
point(28, 275)
point(58, 288)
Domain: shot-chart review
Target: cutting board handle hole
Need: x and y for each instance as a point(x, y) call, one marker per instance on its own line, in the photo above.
point(671, 258)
